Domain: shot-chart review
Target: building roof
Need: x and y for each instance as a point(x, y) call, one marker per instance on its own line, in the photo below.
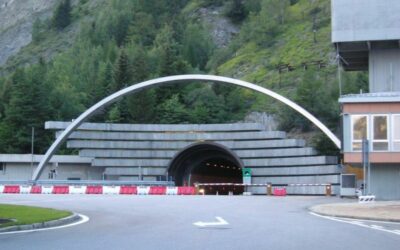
point(371, 97)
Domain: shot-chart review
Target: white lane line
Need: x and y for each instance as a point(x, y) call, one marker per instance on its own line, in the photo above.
point(376, 227)
point(357, 224)
point(84, 219)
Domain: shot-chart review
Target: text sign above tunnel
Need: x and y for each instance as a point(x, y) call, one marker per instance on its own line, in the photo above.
point(246, 175)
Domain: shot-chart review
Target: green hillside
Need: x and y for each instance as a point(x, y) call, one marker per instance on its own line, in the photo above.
point(103, 46)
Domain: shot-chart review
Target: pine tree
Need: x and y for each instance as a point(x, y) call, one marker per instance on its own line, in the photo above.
point(62, 15)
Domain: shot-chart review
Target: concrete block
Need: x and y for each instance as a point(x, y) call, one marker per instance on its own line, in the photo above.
point(316, 179)
point(291, 161)
point(297, 170)
point(140, 136)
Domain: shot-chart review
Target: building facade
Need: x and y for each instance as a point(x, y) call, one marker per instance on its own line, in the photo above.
point(366, 35)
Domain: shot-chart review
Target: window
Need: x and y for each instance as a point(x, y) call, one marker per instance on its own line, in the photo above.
point(380, 140)
point(359, 131)
point(396, 132)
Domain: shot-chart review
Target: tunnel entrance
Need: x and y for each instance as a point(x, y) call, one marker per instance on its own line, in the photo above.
point(207, 163)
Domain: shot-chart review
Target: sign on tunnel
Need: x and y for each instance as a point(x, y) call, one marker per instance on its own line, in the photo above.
point(246, 175)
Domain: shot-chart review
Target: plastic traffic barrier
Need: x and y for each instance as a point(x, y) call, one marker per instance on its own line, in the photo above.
point(25, 189)
point(1, 189)
point(77, 189)
point(111, 189)
point(157, 190)
point(171, 191)
point(94, 190)
point(47, 189)
point(366, 198)
point(60, 189)
point(128, 190)
point(279, 191)
point(11, 189)
point(143, 190)
point(36, 190)
point(186, 190)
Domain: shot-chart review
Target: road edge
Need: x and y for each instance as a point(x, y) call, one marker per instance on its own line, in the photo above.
point(312, 209)
point(48, 224)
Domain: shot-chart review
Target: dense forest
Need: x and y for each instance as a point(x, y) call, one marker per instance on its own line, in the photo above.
point(283, 45)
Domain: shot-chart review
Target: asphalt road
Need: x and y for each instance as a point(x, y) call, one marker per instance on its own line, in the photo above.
point(166, 222)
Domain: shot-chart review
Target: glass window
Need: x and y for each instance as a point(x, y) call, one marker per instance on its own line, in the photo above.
point(359, 131)
point(396, 132)
point(380, 133)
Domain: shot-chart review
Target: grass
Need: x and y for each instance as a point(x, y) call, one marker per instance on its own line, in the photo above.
point(28, 215)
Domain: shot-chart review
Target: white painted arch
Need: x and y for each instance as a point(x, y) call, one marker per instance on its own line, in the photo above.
point(165, 80)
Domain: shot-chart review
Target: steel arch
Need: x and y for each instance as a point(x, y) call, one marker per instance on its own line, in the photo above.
point(164, 80)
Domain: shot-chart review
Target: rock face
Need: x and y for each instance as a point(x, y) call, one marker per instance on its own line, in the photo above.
point(222, 29)
point(16, 19)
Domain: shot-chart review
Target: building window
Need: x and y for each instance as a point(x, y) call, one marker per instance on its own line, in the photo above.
point(380, 140)
point(359, 131)
point(396, 132)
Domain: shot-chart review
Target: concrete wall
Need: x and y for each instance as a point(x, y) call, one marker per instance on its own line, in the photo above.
point(23, 171)
point(385, 181)
point(365, 20)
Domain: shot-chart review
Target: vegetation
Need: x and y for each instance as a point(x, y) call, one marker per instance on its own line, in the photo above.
point(24, 215)
point(283, 45)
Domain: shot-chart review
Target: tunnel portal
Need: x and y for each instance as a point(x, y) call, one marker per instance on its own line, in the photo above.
point(207, 163)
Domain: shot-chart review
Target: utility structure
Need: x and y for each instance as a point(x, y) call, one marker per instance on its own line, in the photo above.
point(366, 35)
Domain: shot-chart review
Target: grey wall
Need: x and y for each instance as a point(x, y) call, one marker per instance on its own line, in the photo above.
point(365, 20)
point(384, 70)
point(385, 181)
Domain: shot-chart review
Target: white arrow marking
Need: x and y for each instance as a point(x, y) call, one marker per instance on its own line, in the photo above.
point(220, 222)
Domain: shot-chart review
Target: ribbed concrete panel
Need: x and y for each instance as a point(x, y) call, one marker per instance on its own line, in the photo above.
point(284, 143)
point(111, 153)
point(228, 127)
point(135, 171)
point(130, 162)
point(298, 190)
point(317, 179)
point(272, 153)
point(129, 136)
point(296, 170)
point(117, 162)
point(293, 161)
point(255, 153)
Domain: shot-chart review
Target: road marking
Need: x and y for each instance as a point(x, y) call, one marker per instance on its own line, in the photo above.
point(379, 228)
point(84, 219)
point(220, 222)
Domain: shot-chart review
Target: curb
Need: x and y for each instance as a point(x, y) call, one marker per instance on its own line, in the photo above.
point(353, 217)
point(53, 223)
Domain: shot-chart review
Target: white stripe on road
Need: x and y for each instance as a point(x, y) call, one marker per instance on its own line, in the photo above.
point(84, 219)
point(397, 232)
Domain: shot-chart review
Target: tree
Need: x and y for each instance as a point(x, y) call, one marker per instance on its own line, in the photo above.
point(62, 15)
point(173, 111)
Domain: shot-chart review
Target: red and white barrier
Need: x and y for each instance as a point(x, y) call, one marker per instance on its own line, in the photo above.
point(111, 189)
point(143, 190)
point(115, 190)
point(171, 191)
point(77, 189)
point(47, 189)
